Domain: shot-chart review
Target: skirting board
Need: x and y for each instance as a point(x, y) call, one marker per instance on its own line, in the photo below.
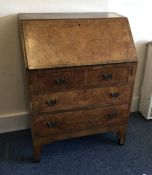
point(135, 104)
point(19, 121)
point(14, 122)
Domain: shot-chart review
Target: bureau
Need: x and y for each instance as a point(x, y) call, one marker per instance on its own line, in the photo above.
point(80, 72)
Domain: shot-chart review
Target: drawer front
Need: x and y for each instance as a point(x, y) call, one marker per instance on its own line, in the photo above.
point(72, 122)
point(48, 80)
point(81, 98)
point(108, 74)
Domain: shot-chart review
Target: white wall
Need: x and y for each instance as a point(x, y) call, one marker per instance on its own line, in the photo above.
point(8, 7)
point(12, 97)
point(139, 14)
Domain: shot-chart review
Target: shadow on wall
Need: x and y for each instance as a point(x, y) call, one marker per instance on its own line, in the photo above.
point(140, 49)
point(141, 55)
point(11, 75)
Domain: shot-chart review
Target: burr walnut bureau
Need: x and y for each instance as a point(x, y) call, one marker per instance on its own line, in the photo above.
point(80, 72)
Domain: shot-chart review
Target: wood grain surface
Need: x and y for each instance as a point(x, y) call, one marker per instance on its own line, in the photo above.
point(64, 43)
point(80, 98)
point(80, 120)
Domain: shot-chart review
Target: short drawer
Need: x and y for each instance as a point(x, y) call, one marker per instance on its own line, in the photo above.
point(108, 74)
point(72, 122)
point(81, 98)
point(50, 80)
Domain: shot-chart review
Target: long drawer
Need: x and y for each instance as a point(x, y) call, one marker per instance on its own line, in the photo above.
point(81, 98)
point(61, 123)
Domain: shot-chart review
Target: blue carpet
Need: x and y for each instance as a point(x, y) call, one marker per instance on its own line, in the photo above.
point(91, 155)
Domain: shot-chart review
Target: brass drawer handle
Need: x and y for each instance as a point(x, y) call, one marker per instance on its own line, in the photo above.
point(115, 94)
point(60, 81)
point(51, 124)
point(51, 102)
point(107, 76)
point(112, 115)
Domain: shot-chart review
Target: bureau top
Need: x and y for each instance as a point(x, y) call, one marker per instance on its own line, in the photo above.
point(43, 16)
point(75, 39)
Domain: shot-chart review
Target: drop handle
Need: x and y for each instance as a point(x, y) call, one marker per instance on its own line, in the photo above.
point(51, 102)
point(112, 115)
point(51, 124)
point(107, 76)
point(115, 94)
point(60, 81)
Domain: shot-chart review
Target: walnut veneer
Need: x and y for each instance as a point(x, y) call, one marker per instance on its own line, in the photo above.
point(80, 72)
